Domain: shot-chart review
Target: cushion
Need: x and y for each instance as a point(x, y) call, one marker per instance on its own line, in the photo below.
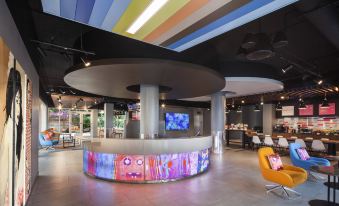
point(303, 154)
point(275, 162)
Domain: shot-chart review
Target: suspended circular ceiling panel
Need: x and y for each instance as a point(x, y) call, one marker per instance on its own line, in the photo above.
point(115, 77)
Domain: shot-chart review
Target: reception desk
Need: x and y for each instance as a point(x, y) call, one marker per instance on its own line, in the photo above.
point(146, 160)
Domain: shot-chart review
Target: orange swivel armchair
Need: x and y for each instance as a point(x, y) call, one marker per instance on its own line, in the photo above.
point(284, 179)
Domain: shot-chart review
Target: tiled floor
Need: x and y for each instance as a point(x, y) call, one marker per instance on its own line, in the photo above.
point(233, 179)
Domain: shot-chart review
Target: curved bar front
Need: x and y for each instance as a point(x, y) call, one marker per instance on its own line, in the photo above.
point(146, 160)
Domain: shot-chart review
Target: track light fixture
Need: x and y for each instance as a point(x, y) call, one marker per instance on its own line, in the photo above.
point(320, 82)
point(287, 69)
point(262, 100)
point(336, 89)
point(86, 63)
point(72, 92)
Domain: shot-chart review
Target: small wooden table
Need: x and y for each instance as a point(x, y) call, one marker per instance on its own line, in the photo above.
point(68, 140)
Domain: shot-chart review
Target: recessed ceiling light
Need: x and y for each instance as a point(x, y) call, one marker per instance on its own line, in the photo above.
point(336, 89)
point(242, 101)
point(282, 97)
point(152, 9)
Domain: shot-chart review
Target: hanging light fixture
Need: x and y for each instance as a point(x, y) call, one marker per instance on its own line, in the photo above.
point(227, 110)
point(256, 108)
point(262, 50)
point(280, 40)
point(250, 40)
point(325, 104)
point(278, 107)
point(239, 109)
point(302, 104)
point(59, 106)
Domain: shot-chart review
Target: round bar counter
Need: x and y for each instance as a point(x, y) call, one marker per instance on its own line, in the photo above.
point(146, 160)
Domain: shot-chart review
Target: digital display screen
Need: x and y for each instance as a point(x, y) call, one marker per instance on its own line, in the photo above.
point(308, 111)
point(287, 111)
point(177, 121)
point(327, 111)
point(139, 168)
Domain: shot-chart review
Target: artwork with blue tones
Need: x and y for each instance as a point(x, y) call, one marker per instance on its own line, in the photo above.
point(104, 165)
point(177, 121)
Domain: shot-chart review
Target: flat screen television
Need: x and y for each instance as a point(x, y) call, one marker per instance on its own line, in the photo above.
point(177, 121)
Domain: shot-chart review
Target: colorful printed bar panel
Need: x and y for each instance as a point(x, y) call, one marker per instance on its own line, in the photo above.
point(145, 168)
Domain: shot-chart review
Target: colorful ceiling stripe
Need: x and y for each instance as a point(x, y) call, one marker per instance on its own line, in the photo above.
point(178, 25)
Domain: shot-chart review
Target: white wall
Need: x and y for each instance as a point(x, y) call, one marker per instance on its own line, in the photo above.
point(43, 116)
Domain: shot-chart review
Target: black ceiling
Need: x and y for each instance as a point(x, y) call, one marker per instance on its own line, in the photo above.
point(311, 49)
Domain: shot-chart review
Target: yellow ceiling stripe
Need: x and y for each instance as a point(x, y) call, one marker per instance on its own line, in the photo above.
point(170, 8)
point(135, 8)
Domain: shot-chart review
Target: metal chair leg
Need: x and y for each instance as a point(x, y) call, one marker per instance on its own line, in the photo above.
point(285, 190)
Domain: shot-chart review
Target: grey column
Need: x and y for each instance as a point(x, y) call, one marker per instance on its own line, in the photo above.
point(108, 112)
point(149, 111)
point(268, 118)
point(94, 123)
point(218, 103)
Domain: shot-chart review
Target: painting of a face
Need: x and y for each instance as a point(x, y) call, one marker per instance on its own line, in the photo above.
point(130, 167)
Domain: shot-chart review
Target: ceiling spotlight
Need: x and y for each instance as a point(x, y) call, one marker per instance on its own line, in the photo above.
point(62, 91)
point(262, 50)
point(163, 105)
point(287, 69)
point(256, 108)
point(150, 11)
point(242, 101)
point(278, 107)
point(280, 40)
point(336, 89)
point(227, 110)
point(59, 99)
point(262, 100)
point(249, 41)
point(95, 101)
point(86, 63)
point(282, 97)
point(325, 104)
point(320, 81)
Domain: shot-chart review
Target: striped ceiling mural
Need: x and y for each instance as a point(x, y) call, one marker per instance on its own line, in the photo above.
point(172, 24)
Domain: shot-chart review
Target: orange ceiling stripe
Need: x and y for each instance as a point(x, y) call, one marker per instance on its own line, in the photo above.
point(184, 12)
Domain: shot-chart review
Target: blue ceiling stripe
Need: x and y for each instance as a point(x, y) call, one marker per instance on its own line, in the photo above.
point(99, 12)
point(51, 6)
point(67, 8)
point(84, 10)
point(253, 5)
point(113, 15)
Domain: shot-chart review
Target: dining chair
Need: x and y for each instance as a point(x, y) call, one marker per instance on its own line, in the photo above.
point(256, 142)
point(301, 142)
point(318, 146)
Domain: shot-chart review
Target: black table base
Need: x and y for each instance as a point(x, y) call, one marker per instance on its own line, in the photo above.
point(321, 202)
point(332, 185)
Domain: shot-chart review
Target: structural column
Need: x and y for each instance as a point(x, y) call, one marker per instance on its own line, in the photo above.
point(218, 104)
point(149, 111)
point(268, 118)
point(94, 123)
point(108, 118)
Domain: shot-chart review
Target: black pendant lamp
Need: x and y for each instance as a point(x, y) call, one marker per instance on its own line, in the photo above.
point(262, 49)
point(325, 104)
point(280, 40)
point(249, 41)
point(239, 109)
point(278, 107)
point(302, 104)
point(256, 108)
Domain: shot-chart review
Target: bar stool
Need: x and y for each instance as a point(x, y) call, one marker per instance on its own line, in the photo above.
point(318, 146)
point(268, 141)
point(256, 142)
point(283, 143)
point(301, 142)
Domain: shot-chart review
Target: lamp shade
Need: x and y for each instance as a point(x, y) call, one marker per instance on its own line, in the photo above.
point(280, 40)
point(262, 49)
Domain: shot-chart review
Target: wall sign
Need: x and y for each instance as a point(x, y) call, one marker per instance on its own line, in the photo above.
point(308, 111)
point(287, 111)
point(327, 111)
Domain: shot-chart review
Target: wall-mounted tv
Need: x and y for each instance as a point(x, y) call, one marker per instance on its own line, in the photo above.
point(328, 110)
point(177, 121)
